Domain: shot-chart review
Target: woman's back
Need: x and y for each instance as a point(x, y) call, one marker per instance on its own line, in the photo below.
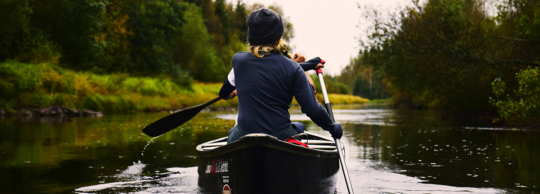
point(265, 88)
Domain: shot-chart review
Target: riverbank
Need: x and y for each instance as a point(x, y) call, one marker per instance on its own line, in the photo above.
point(43, 85)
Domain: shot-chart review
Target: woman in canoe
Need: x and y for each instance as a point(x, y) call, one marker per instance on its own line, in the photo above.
point(266, 79)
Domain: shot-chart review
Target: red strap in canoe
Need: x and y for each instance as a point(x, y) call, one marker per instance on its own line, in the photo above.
point(294, 141)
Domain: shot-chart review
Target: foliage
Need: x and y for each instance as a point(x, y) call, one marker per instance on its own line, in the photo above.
point(333, 86)
point(445, 54)
point(362, 80)
point(14, 20)
point(45, 84)
point(180, 40)
point(197, 51)
point(342, 99)
point(72, 26)
point(524, 104)
point(338, 99)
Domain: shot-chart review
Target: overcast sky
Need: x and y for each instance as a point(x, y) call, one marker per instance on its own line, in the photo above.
point(326, 28)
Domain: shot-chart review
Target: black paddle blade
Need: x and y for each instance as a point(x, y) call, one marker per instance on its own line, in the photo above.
point(172, 121)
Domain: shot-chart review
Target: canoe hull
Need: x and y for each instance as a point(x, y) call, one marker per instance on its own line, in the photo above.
point(267, 165)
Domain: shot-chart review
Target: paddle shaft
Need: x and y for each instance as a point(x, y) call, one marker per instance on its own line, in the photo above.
point(338, 145)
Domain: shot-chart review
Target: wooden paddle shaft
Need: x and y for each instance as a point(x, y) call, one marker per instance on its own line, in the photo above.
point(338, 145)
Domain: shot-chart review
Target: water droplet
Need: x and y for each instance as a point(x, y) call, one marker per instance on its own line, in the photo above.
point(149, 141)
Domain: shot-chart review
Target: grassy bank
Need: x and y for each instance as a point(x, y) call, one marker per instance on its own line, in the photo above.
point(42, 85)
point(338, 99)
point(24, 85)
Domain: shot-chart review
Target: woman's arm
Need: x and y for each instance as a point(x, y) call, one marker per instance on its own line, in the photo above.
point(298, 58)
point(312, 64)
point(312, 108)
point(228, 89)
point(309, 105)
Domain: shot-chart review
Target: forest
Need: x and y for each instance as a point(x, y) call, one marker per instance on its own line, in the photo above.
point(182, 40)
point(467, 56)
point(475, 56)
point(117, 56)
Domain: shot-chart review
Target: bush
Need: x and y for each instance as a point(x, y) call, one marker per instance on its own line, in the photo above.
point(524, 104)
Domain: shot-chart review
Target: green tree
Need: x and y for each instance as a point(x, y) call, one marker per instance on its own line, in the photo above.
point(362, 80)
point(197, 54)
point(156, 26)
point(361, 87)
point(73, 26)
point(238, 21)
point(441, 53)
point(14, 22)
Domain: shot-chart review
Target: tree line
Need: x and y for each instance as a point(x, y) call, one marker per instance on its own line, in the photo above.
point(178, 39)
point(466, 55)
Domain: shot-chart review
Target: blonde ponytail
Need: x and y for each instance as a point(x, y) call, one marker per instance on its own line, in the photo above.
point(279, 46)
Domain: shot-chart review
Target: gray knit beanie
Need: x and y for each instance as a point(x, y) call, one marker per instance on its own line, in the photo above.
point(264, 26)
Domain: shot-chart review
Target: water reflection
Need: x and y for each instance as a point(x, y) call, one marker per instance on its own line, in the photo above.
point(387, 151)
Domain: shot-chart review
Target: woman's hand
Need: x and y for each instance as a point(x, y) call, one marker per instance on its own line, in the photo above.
point(299, 58)
point(319, 66)
point(232, 95)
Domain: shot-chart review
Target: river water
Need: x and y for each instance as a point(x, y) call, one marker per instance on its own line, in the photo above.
point(387, 151)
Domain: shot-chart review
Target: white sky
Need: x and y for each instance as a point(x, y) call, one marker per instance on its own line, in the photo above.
point(326, 28)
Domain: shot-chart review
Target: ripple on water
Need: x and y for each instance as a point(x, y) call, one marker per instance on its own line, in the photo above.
point(131, 180)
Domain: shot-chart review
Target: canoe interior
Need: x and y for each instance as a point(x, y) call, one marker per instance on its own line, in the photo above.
point(314, 141)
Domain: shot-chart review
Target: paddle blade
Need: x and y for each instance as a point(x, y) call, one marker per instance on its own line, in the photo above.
point(174, 120)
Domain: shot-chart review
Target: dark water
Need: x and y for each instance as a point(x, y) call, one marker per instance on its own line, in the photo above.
point(387, 151)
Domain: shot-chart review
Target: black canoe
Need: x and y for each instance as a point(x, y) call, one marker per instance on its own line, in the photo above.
point(260, 163)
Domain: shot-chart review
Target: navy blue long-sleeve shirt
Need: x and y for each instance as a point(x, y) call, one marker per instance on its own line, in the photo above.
point(265, 88)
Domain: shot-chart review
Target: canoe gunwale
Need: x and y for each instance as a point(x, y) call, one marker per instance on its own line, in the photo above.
point(264, 140)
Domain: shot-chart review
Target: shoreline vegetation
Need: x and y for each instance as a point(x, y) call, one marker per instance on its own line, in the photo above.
point(119, 56)
point(145, 55)
point(42, 85)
